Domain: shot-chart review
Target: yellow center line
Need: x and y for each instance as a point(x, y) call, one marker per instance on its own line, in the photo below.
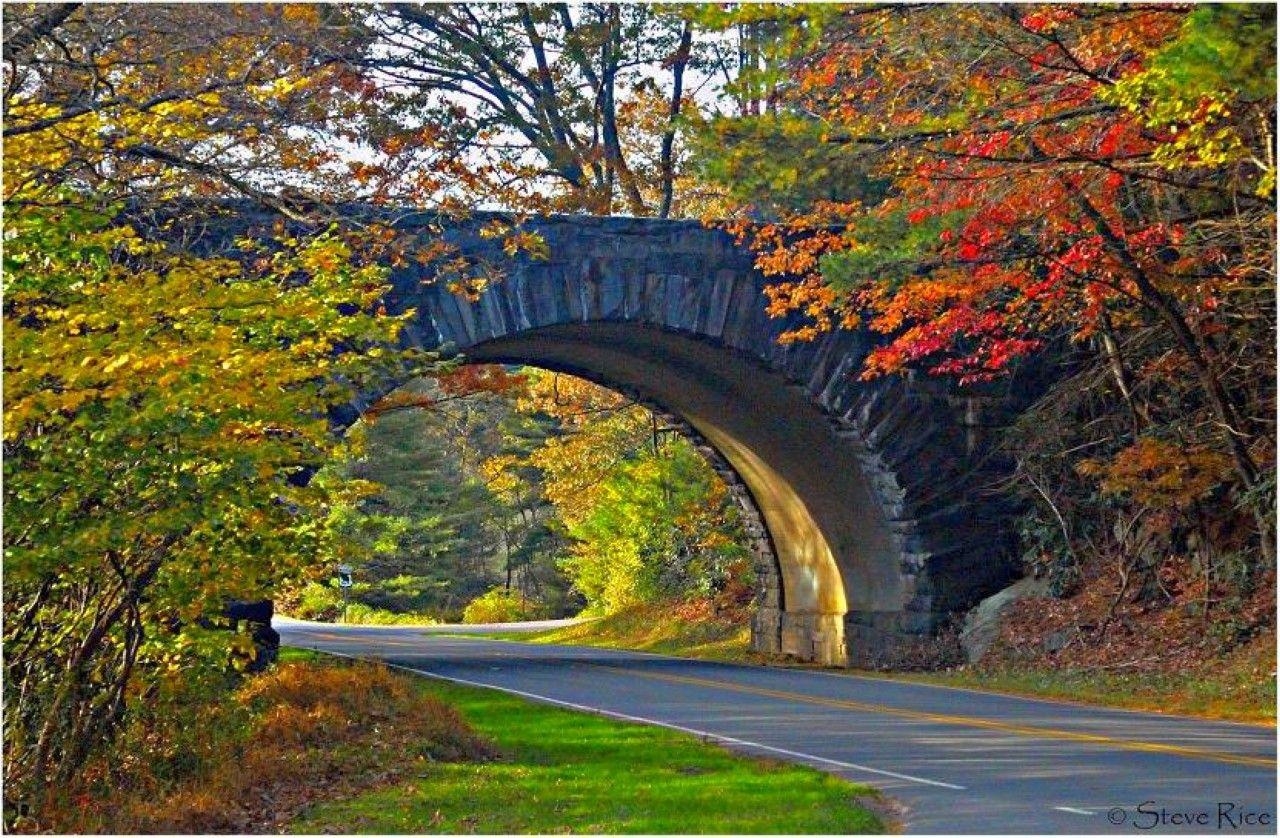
point(963, 721)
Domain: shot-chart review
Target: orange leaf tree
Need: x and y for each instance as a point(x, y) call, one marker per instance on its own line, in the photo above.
point(1094, 176)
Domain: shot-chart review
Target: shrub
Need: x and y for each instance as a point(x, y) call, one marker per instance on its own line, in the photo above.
point(501, 606)
point(318, 602)
point(358, 612)
point(245, 761)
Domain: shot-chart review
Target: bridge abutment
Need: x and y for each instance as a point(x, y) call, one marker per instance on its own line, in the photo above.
point(818, 638)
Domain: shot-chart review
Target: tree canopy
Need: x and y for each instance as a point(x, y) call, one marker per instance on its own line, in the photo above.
point(158, 399)
point(980, 183)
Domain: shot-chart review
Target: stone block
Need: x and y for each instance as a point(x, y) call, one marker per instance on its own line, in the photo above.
point(766, 631)
point(815, 638)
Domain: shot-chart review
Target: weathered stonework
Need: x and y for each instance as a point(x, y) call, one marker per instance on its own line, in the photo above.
point(868, 502)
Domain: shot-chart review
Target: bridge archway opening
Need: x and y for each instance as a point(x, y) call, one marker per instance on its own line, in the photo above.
point(822, 547)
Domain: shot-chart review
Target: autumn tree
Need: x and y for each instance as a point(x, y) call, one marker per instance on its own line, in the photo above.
point(646, 516)
point(159, 401)
point(660, 527)
point(422, 534)
point(1094, 177)
point(458, 508)
point(540, 107)
point(175, 101)
point(145, 474)
point(523, 525)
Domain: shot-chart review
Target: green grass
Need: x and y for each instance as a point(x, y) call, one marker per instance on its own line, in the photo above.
point(289, 654)
point(650, 629)
point(563, 771)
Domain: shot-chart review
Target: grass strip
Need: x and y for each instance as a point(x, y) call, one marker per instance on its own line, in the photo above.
point(651, 629)
point(562, 771)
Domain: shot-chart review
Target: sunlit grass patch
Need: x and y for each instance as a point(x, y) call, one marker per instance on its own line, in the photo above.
point(684, 629)
point(568, 772)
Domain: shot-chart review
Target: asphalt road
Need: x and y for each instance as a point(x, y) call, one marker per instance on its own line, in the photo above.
point(958, 761)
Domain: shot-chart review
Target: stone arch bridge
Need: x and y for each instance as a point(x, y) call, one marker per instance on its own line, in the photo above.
point(868, 503)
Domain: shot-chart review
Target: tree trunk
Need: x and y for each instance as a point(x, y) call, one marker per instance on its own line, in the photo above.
point(1207, 370)
point(612, 146)
point(1124, 380)
point(673, 116)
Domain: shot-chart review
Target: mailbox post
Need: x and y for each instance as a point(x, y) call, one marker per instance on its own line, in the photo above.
point(344, 582)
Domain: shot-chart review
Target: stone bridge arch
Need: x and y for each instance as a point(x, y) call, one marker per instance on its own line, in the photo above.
point(874, 521)
point(877, 523)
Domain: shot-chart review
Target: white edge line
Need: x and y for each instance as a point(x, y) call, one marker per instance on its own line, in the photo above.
point(857, 675)
point(1074, 811)
point(728, 740)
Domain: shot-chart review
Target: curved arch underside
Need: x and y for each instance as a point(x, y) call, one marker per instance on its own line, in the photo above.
point(833, 547)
